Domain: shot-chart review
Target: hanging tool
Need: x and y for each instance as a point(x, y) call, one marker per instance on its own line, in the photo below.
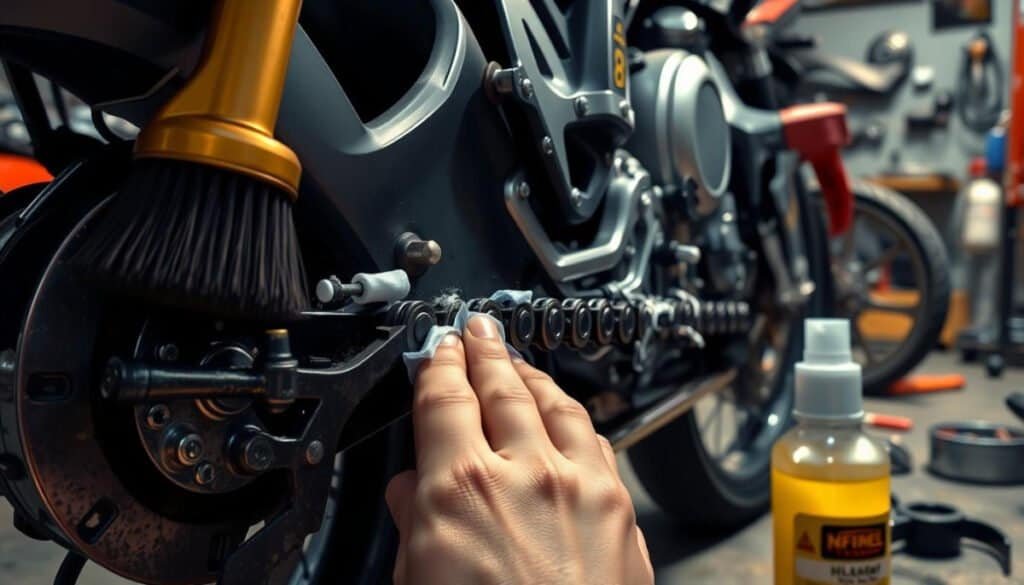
point(981, 84)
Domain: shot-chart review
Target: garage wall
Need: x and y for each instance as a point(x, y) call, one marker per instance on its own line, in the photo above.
point(847, 31)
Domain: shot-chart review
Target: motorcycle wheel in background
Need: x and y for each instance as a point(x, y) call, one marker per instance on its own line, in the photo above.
point(710, 469)
point(891, 273)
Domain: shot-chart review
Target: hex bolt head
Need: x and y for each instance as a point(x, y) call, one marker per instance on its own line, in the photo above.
point(526, 88)
point(257, 454)
point(523, 190)
point(190, 449)
point(625, 109)
point(547, 146)
point(158, 416)
point(314, 453)
point(422, 252)
point(206, 473)
point(582, 106)
point(500, 81)
point(576, 197)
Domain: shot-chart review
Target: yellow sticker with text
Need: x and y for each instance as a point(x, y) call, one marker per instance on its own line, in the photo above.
point(619, 67)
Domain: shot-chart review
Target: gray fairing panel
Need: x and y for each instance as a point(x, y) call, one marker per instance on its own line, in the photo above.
point(434, 163)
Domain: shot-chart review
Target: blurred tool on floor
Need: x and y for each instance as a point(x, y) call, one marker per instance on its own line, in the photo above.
point(888, 421)
point(927, 383)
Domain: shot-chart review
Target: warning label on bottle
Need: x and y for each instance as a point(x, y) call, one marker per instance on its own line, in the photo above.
point(841, 551)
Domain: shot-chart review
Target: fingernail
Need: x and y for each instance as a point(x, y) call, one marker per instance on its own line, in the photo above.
point(449, 339)
point(483, 327)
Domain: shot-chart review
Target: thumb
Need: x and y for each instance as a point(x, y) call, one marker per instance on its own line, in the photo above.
point(399, 494)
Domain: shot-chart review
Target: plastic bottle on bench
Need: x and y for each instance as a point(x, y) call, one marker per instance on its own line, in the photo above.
point(830, 481)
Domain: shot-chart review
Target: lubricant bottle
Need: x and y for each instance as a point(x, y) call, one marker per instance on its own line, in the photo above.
point(830, 481)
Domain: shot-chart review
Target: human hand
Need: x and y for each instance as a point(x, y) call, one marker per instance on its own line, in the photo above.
point(512, 485)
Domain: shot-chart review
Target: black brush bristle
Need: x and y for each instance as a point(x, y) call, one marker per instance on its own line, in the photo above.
point(199, 237)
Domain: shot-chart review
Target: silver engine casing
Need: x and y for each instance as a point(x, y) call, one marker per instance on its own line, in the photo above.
point(681, 127)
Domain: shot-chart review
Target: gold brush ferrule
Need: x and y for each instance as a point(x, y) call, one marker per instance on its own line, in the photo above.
point(226, 113)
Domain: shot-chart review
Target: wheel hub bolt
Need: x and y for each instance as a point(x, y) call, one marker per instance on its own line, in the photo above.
point(205, 474)
point(190, 449)
point(157, 416)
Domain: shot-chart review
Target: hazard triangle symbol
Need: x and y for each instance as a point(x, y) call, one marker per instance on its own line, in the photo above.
point(805, 543)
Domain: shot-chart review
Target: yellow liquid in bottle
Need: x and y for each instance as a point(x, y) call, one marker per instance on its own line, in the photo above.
point(831, 499)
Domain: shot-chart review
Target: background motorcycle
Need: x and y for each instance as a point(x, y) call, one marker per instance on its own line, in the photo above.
point(501, 130)
point(893, 264)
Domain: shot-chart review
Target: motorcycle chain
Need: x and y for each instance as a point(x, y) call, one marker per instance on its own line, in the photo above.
point(581, 323)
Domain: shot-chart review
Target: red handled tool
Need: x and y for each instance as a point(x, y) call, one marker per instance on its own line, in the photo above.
point(888, 421)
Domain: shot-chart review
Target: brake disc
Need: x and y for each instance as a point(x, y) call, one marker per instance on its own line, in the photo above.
point(82, 471)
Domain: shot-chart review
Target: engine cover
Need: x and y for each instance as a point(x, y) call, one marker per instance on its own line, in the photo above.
point(681, 127)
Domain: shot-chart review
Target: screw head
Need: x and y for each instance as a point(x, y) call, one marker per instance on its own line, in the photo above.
point(190, 449)
point(206, 473)
point(168, 352)
point(576, 197)
point(547, 146)
point(157, 416)
point(526, 87)
point(626, 110)
point(582, 105)
point(523, 190)
point(645, 199)
point(314, 453)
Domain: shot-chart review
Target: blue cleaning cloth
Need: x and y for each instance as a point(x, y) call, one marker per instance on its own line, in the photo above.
point(413, 359)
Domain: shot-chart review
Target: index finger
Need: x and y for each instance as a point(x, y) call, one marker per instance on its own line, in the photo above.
point(445, 410)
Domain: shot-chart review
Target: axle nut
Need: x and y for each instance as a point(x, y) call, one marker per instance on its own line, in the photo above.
point(257, 454)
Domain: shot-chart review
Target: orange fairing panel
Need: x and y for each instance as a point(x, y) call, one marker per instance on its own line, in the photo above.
point(18, 171)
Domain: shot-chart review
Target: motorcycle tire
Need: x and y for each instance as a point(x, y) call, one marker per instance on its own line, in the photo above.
point(926, 244)
point(674, 465)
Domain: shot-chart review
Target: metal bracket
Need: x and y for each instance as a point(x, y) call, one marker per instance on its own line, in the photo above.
point(624, 199)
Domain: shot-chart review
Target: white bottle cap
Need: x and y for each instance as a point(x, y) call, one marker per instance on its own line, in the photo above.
point(828, 381)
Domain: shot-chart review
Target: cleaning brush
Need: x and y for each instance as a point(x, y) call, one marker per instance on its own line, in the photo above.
point(204, 220)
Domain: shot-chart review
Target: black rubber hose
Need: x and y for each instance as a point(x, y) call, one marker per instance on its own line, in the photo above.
point(70, 569)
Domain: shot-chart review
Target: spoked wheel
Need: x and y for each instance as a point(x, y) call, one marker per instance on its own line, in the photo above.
point(892, 282)
point(710, 469)
point(729, 422)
